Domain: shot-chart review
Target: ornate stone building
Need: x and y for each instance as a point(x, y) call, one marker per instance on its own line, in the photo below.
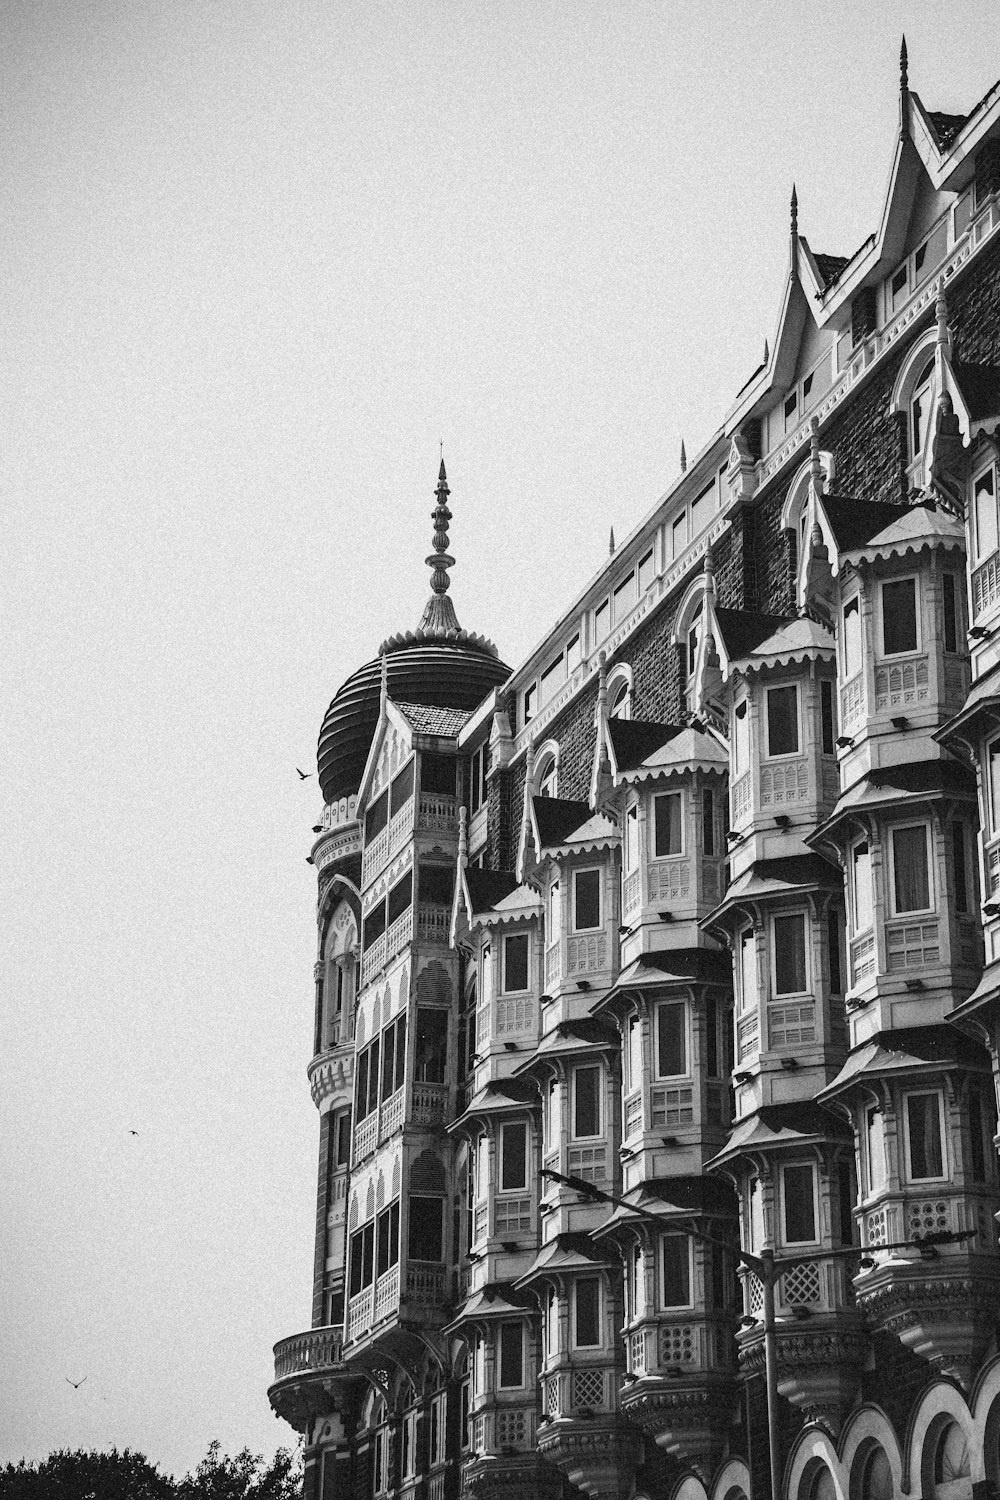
point(657, 1005)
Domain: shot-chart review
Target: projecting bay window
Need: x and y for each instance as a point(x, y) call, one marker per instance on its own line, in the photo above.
point(671, 1039)
point(587, 1312)
point(511, 1361)
point(900, 620)
point(513, 1157)
point(515, 963)
point(924, 1137)
point(668, 837)
point(586, 900)
point(782, 721)
point(675, 1271)
point(798, 1203)
point(911, 883)
point(586, 1102)
point(789, 955)
point(425, 1240)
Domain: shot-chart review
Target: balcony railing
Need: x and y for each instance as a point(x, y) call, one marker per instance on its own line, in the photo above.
point(670, 880)
point(631, 895)
point(319, 1349)
point(375, 855)
point(911, 945)
point(365, 1136)
point(386, 1294)
point(430, 1103)
point(433, 923)
point(852, 701)
point(742, 795)
point(391, 1114)
point(373, 960)
point(901, 685)
point(425, 1284)
point(437, 812)
point(400, 827)
point(359, 1314)
point(399, 934)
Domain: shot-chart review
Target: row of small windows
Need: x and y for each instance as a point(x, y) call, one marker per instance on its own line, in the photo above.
point(380, 1067)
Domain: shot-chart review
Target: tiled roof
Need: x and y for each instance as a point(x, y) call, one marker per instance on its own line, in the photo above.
point(912, 528)
point(665, 965)
point(742, 630)
point(829, 267)
point(980, 385)
point(946, 127)
point(426, 719)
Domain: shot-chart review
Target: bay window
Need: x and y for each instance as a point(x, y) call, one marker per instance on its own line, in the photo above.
point(900, 631)
point(511, 1356)
point(675, 1270)
point(798, 1193)
point(790, 955)
point(925, 1147)
point(513, 1156)
point(671, 1039)
point(515, 963)
point(667, 835)
point(910, 869)
point(586, 900)
point(783, 720)
point(586, 1102)
point(587, 1308)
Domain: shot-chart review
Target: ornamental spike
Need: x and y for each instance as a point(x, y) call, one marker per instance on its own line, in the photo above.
point(439, 618)
point(795, 212)
point(611, 543)
point(684, 458)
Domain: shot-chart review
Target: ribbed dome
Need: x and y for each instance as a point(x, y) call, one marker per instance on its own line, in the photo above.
point(448, 674)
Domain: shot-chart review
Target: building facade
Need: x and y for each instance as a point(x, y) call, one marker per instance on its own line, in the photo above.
point(657, 994)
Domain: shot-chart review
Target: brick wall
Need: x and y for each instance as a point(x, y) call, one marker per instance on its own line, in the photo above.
point(974, 313)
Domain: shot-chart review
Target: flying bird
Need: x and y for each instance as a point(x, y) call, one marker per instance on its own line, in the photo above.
point(305, 775)
point(133, 1132)
point(76, 1384)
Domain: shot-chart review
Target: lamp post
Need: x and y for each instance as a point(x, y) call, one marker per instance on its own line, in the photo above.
point(769, 1269)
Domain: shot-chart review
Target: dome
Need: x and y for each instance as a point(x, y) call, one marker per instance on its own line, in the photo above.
point(447, 674)
point(438, 665)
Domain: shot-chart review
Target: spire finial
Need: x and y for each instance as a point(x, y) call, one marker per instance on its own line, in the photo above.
point(941, 309)
point(463, 837)
point(767, 352)
point(795, 211)
point(904, 67)
point(815, 464)
point(611, 543)
point(684, 458)
point(439, 616)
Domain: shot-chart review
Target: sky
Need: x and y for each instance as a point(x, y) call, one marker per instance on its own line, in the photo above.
point(259, 258)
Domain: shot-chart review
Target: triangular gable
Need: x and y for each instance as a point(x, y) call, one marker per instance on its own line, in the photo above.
point(392, 734)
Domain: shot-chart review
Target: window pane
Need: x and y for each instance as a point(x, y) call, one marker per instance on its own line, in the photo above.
point(425, 1228)
point(631, 838)
point(789, 955)
point(668, 824)
point(588, 1312)
point(782, 721)
point(960, 867)
point(602, 621)
point(634, 1052)
point(671, 1052)
point(587, 890)
point(708, 822)
point(826, 713)
point(852, 638)
point(678, 536)
point(899, 616)
point(676, 1269)
point(432, 1045)
point(646, 573)
point(950, 600)
point(833, 940)
point(985, 506)
point(910, 874)
point(587, 1112)
point(376, 817)
point(515, 1156)
point(748, 970)
point(401, 789)
point(923, 1121)
point(437, 884)
point(800, 1214)
point(741, 736)
point(515, 963)
point(511, 1354)
point(624, 597)
point(863, 907)
point(400, 898)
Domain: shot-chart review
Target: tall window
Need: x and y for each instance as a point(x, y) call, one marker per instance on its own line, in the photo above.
point(748, 969)
point(920, 407)
point(387, 1238)
point(620, 700)
point(790, 955)
point(515, 963)
point(587, 1330)
point(675, 1270)
point(671, 1039)
point(899, 616)
point(511, 1356)
point(546, 777)
point(513, 1156)
point(631, 857)
point(586, 900)
point(708, 821)
point(852, 637)
point(923, 1131)
point(861, 881)
point(586, 1102)
point(783, 720)
point(431, 1045)
point(828, 722)
point(635, 1288)
point(667, 838)
point(741, 738)
point(634, 1051)
point(798, 1192)
point(425, 1238)
point(993, 754)
point(875, 1147)
point(393, 1056)
point(960, 867)
point(910, 872)
point(949, 609)
point(984, 506)
point(554, 918)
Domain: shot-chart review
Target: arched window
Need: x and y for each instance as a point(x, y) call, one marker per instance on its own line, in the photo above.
point(620, 693)
point(951, 1470)
point(795, 511)
point(920, 409)
point(546, 774)
point(822, 1486)
point(340, 957)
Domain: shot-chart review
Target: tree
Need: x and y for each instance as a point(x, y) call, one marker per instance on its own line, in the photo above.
point(130, 1476)
point(245, 1477)
point(86, 1476)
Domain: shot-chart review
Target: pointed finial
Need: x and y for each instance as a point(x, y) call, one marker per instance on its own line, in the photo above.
point(709, 569)
point(767, 352)
point(384, 688)
point(795, 211)
point(602, 675)
point(815, 465)
point(684, 458)
point(904, 67)
point(611, 543)
point(941, 308)
point(463, 836)
point(439, 616)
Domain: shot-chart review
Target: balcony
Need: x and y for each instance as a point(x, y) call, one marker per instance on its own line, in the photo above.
point(303, 1366)
point(437, 813)
point(375, 855)
point(430, 1103)
point(373, 961)
point(433, 923)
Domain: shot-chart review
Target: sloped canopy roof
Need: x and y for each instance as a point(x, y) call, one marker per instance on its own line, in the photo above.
point(796, 872)
point(664, 967)
point(426, 718)
point(915, 781)
point(914, 1050)
point(855, 522)
point(663, 747)
point(917, 527)
point(793, 1125)
point(567, 1252)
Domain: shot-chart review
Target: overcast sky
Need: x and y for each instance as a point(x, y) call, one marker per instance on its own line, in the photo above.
point(258, 257)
